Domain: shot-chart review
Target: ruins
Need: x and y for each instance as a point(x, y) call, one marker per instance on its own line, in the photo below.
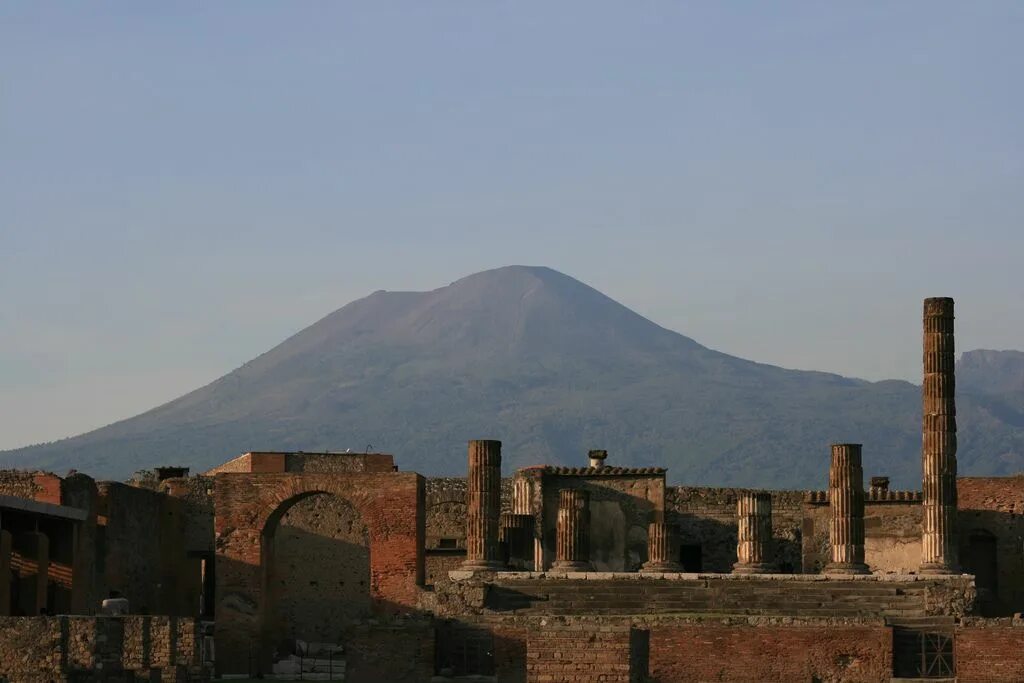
point(340, 566)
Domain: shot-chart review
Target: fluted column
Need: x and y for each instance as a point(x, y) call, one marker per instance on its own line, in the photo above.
point(938, 441)
point(572, 535)
point(483, 505)
point(661, 549)
point(517, 535)
point(754, 533)
point(846, 503)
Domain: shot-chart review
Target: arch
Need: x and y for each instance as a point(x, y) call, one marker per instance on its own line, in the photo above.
point(249, 509)
point(315, 561)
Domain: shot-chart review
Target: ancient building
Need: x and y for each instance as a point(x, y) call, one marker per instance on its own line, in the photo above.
point(340, 566)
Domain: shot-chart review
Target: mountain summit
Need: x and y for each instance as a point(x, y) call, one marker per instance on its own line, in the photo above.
point(551, 367)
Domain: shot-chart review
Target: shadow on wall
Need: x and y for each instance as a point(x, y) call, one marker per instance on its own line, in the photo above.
point(316, 572)
point(707, 544)
point(992, 548)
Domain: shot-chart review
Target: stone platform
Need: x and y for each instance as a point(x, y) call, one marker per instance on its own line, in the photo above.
point(893, 597)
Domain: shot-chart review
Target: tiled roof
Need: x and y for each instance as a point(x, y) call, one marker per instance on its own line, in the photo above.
point(602, 471)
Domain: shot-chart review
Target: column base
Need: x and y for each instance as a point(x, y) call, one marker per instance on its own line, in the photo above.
point(937, 569)
point(845, 568)
point(482, 566)
point(661, 568)
point(753, 568)
point(570, 566)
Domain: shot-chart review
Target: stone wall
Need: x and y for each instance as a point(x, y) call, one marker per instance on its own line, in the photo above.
point(706, 520)
point(398, 653)
point(19, 483)
point(56, 648)
point(620, 509)
point(79, 491)
point(445, 542)
point(196, 493)
point(142, 551)
point(892, 535)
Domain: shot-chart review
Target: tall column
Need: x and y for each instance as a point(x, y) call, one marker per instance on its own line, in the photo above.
point(483, 505)
point(846, 503)
point(661, 548)
point(754, 533)
point(572, 535)
point(938, 441)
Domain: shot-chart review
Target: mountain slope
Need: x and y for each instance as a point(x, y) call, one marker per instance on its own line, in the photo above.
point(550, 366)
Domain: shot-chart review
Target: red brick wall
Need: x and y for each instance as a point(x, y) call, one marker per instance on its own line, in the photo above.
point(1004, 494)
point(390, 505)
point(853, 654)
point(994, 507)
point(589, 653)
point(48, 488)
point(992, 654)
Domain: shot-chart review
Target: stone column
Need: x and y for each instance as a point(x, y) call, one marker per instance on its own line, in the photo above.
point(483, 505)
point(517, 535)
point(661, 549)
point(846, 503)
point(754, 533)
point(938, 442)
point(572, 541)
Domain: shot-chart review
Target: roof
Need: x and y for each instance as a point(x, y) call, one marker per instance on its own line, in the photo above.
point(48, 509)
point(602, 471)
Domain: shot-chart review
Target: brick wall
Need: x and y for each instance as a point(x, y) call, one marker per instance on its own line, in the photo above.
point(575, 650)
point(772, 653)
point(391, 505)
point(991, 528)
point(989, 651)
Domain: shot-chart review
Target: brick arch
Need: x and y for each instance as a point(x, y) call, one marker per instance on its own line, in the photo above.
point(390, 504)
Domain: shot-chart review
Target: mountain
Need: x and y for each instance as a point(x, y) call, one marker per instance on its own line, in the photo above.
point(991, 372)
point(551, 367)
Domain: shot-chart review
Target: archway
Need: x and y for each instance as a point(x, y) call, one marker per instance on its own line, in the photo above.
point(316, 571)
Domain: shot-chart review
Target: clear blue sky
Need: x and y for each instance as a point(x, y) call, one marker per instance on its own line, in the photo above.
point(184, 185)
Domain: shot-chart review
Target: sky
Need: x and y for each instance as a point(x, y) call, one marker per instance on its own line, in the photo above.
point(184, 185)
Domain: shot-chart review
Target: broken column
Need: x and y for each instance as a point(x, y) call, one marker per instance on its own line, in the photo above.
point(572, 534)
point(846, 503)
point(754, 533)
point(517, 537)
point(938, 443)
point(661, 547)
point(483, 505)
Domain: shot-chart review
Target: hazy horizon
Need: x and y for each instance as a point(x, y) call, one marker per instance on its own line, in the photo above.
point(187, 185)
